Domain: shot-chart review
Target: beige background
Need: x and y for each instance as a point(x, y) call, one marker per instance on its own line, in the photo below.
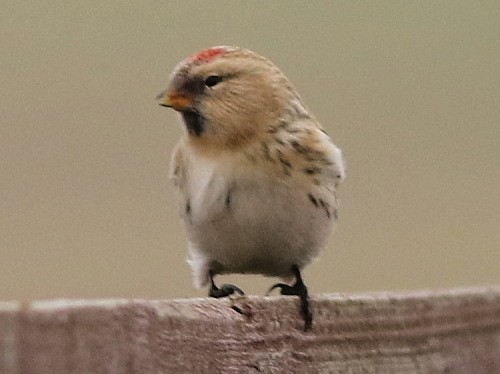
point(409, 90)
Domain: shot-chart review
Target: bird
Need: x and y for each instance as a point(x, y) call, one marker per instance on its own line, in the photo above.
point(256, 174)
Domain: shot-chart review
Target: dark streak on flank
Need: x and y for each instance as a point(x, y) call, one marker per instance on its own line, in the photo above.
point(325, 206)
point(307, 152)
point(265, 151)
point(285, 162)
point(188, 207)
point(312, 170)
point(229, 199)
point(312, 199)
point(286, 165)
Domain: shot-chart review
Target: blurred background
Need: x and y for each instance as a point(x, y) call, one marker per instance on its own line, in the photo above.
point(409, 90)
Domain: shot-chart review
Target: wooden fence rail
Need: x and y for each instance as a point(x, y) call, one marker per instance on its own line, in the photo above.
point(453, 331)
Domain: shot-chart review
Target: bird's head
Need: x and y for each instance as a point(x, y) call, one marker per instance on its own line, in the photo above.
point(228, 96)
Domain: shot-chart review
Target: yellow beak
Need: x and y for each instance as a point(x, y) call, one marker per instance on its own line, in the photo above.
point(175, 101)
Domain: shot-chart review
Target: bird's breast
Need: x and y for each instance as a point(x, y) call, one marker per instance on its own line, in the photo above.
point(250, 220)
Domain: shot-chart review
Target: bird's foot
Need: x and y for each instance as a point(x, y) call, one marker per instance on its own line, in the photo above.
point(298, 289)
point(224, 290)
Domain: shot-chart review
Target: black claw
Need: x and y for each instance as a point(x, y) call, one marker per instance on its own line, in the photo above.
point(224, 290)
point(298, 289)
point(281, 286)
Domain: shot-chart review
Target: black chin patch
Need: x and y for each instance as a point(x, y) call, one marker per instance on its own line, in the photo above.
point(194, 122)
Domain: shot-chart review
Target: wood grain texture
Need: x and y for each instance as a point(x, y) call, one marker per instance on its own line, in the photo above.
point(454, 331)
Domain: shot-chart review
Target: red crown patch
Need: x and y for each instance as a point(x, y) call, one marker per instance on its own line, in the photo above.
point(206, 55)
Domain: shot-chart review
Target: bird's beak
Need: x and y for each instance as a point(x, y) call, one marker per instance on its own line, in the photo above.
point(174, 100)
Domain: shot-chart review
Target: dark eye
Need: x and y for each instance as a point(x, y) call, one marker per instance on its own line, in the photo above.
point(212, 80)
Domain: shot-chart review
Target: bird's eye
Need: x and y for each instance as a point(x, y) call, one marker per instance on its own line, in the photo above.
point(212, 80)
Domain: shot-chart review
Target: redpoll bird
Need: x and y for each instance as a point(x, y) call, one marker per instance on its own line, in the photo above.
point(257, 173)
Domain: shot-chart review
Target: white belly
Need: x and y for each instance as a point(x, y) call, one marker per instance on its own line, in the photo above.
point(252, 223)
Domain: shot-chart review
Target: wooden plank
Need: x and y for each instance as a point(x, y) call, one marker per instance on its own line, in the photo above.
point(454, 331)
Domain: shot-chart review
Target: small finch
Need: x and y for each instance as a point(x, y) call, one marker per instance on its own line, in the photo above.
point(257, 173)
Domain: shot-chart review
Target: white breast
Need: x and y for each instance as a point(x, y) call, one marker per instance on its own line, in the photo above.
point(242, 219)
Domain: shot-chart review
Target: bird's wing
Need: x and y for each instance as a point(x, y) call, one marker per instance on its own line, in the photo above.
point(312, 152)
point(333, 169)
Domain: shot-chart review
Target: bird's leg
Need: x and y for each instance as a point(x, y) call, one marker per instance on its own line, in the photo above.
point(298, 289)
point(224, 290)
